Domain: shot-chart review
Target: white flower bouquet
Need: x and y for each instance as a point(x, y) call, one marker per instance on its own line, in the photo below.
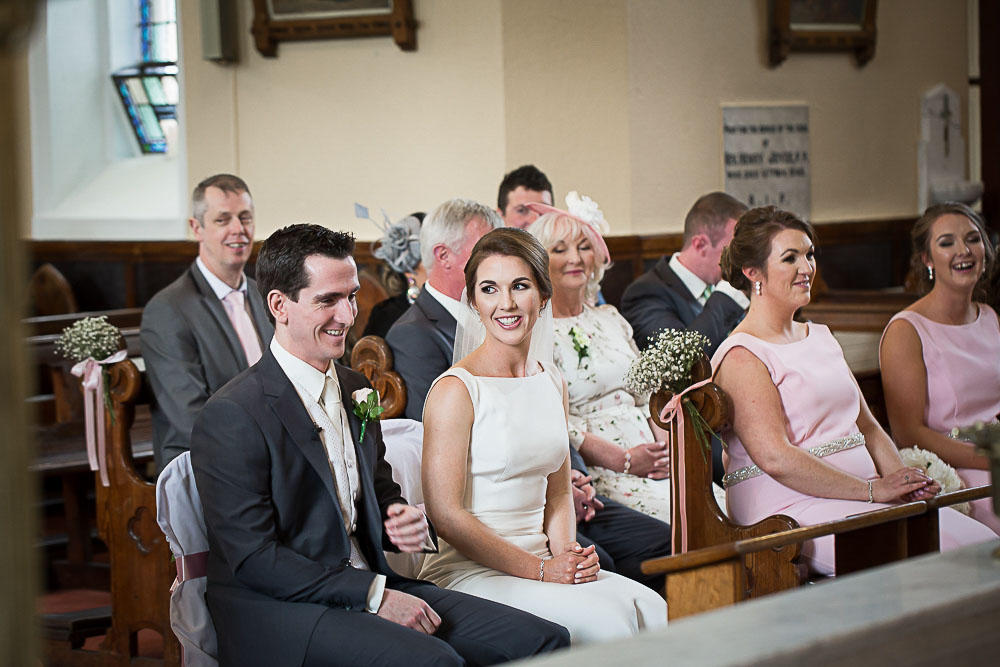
point(89, 338)
point(936, 468)
point(667, 364)
point(93, 343)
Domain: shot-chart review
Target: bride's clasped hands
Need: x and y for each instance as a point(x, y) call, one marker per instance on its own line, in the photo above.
point(575, 565)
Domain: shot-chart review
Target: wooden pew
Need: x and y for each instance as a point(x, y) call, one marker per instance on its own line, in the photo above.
point(372, 358)
point(61, 458)
point(724, 574)
point(140, 560)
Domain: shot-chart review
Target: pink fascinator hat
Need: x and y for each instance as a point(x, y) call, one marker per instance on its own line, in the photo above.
point(584, 210)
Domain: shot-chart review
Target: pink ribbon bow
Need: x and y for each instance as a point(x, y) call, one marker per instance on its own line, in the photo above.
point(673, 412)
point(93, 394)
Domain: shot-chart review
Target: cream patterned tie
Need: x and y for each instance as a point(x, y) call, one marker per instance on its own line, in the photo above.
point(330, 417)
point(237, 312)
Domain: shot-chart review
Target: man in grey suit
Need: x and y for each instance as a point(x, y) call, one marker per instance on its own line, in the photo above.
point(686, 291)
point(210, 324)
point(423, 338)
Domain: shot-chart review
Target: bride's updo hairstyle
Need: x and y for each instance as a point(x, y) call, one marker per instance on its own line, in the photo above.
point(751, 244)
point(510, 242)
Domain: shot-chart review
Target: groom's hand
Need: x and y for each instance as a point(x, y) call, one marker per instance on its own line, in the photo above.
point(406, 527)
point(408, 611)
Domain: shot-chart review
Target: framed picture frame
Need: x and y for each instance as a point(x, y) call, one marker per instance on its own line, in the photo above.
point(297, 20)
point(821, 25)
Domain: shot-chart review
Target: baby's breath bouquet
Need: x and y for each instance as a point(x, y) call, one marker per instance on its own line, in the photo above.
point(89, 338)
point(93, 343)
point(666, 364)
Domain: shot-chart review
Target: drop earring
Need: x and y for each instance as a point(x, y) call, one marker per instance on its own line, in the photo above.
point(930, 272)
point(412, 292)
point(756, 287)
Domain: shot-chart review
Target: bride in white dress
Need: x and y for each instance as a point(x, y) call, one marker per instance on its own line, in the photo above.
point(496, 471)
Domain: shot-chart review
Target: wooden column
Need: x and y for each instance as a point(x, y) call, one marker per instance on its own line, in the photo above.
point(18, 569)
point(989, 86)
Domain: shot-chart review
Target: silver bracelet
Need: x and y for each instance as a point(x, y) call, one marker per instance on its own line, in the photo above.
point(628, 462)
point(871, 498)
point(541, 569)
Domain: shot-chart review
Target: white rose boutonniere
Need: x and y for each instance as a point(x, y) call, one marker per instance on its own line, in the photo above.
point(366, 407)
point(581, 343)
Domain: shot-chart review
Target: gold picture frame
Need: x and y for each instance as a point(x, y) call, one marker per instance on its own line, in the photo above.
point(296, 20)
point(821, 25)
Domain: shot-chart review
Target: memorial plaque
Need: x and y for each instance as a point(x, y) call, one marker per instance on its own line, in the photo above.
point(766, 156)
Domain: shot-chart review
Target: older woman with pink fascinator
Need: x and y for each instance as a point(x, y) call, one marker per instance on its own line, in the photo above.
point(626, 452)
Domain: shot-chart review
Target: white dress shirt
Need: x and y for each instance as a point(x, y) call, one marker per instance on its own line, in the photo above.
point(451, 305)
point(697, 286)
point(220, 288)
point(309, 383)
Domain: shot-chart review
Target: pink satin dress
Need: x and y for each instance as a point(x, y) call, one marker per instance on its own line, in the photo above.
point(963, 384)
point(821, 403)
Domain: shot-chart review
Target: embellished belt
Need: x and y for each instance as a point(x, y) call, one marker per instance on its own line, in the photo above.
point(819, 451)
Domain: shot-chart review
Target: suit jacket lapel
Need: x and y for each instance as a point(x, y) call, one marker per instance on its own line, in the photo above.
point(217, 312)
point(677, 286)
point(438, 315)
point(285, 402)
point(369, 515)
point(258, 312)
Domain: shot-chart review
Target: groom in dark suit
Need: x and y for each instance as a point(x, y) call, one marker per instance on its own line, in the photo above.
point(210, 324)
point(299, 501)
point(686, 290)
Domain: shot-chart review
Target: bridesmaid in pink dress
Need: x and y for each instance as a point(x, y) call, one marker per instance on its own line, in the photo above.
point(940, 357)
point(803, 441)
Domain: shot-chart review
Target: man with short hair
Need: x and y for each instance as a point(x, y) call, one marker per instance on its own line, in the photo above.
point(299, 501)
point(686, 290)
point(423, 338)
point(423, 343)
point(210, 324)
point(522, 186)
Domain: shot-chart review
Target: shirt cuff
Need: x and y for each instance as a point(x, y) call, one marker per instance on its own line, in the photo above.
point(739, 297)
point(375, 593)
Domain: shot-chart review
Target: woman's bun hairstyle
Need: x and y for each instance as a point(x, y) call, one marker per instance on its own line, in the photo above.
point(751, 244)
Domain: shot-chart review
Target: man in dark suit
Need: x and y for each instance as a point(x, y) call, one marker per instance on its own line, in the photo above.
point(423, 338)
point(422, 342)
point(299, 501)
point(210, 324)
point(686, 291)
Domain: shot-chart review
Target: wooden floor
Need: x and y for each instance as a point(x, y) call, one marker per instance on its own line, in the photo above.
point(150, 643)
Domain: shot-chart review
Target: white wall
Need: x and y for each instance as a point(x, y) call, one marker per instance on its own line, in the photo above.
point(620, 99)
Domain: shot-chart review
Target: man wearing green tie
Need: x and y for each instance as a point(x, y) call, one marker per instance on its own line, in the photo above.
point(686, 290)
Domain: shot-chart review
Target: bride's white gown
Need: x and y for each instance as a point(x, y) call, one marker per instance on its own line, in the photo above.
point(519, 437)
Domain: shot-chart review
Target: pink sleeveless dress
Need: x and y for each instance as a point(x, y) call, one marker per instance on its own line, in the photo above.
point(963, 383)
point(821, 403)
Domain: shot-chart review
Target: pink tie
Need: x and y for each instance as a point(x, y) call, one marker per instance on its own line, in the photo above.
point(244, 327)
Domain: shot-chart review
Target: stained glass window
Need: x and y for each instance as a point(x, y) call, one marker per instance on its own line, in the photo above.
point(149, 90)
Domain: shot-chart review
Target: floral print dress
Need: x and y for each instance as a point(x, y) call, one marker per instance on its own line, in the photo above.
point(595, 369)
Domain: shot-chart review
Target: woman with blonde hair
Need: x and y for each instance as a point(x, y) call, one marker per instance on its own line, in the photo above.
point(625, 451)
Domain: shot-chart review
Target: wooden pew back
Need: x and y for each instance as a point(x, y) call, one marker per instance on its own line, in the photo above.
point(697, 521)
point(372, 358)
point(141, 567)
